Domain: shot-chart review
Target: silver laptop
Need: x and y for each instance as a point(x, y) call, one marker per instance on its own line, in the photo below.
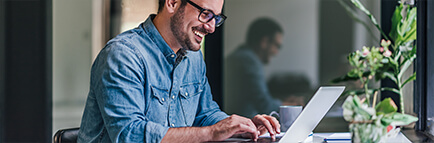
point(312, 113)
point(308, 119)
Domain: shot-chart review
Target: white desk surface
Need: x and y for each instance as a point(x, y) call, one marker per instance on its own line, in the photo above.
point(319, 138)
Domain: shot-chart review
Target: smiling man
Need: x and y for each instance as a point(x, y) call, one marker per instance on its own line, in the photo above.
point(149, 84)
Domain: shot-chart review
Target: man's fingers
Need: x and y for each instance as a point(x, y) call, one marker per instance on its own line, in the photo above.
point(267, 125)
point(262, 129)
point(248, 129)
point(274, 122)
point(250, 123)
point(246, 122)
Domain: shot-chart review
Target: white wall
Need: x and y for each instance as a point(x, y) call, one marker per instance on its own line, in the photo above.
point(362, 37)
point(299, 19)
point(135, 12)
point(72, 42)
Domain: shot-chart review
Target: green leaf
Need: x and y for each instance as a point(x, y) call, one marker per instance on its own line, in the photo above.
point(411, 78)
point(353, 74)
point(390, 89)
point(390, 76)
point(411, 18)
point(354, 110)
point(394, 64)
point(406, 63)
point(397, 56)
point(359, 5)
point(396, 19)
point(353, 15)
point(410, 35)
point(386, 106)
point(399, 119)
point(409, 26)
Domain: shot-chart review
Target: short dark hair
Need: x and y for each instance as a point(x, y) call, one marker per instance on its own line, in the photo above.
point(161, 4)
point(260, 28)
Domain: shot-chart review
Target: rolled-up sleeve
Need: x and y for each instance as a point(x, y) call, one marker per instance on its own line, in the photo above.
point(119, 90)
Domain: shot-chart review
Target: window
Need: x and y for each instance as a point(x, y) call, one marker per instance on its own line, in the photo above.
point(80, 30)
point(424, 99)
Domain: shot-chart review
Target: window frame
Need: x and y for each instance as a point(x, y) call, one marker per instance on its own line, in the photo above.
point(424, 64)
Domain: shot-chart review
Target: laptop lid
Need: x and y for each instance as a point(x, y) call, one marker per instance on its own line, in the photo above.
point(312, 113)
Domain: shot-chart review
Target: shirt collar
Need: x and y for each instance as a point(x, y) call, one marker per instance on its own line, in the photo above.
point(152, 32)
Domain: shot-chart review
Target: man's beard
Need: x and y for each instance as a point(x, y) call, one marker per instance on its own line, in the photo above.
point(176, 25)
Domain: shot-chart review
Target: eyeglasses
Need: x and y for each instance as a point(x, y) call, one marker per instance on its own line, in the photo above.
point(207, 15)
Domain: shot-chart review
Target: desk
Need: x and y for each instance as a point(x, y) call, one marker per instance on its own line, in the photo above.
point(319, 138)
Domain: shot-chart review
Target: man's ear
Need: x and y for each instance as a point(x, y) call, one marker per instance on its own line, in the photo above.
point(172, 5)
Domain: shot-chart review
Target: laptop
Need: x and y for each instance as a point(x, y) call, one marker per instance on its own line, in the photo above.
point(311, 115)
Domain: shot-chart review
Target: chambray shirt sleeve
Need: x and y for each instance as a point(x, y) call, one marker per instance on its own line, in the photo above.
point(119, 78)
point(208, 112)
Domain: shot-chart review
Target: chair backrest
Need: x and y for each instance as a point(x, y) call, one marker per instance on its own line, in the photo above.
point(66, 135)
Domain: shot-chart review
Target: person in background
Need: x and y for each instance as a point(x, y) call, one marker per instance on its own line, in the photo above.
point(245, 86)
point(149, 84)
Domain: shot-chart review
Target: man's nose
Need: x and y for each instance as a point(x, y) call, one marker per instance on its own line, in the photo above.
point(210, 26)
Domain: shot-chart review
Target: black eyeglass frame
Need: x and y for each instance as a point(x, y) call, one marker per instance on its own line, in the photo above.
point(214, 16)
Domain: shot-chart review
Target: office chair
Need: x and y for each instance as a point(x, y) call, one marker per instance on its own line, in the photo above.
point(66, 135)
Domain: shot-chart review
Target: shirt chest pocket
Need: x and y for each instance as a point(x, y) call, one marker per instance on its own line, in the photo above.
point(190, 95)
point(160, 94)
point(156, 110)
point(190, 90)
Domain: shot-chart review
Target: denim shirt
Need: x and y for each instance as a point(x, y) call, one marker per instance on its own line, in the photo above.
point(137, 92)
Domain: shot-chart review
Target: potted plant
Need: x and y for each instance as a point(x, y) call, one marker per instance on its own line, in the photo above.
point(371, 121)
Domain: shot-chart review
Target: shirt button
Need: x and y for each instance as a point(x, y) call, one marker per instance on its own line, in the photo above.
point(173, 97)
point(173, 125)
point(162, 99)
point(186, 93)
point(172, 56)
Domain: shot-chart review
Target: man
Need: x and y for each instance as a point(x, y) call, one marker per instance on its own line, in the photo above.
point(148, 84)
point(246, 91)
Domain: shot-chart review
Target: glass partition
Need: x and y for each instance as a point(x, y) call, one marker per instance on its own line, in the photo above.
point(279, 52)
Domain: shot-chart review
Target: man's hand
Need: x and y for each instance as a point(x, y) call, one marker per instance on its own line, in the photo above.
point(230, 127)
point(266, 123)
point(234, 125)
